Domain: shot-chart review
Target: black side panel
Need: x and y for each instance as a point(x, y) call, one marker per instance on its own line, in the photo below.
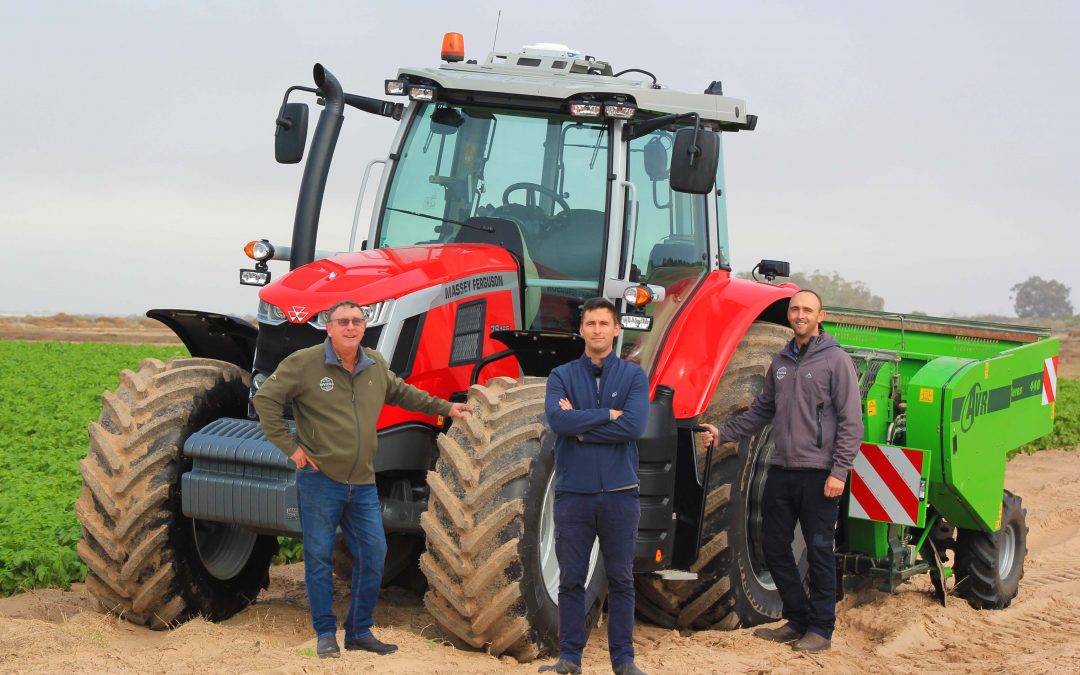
point(277, 342)
point(539, 352)
point(656, 475)
point(211, 336)
point(408, 343)
point(409, 447)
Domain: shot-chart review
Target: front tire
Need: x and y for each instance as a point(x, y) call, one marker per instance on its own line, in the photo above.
point(733, 587)
point(490, 560)
point(146, 561)
point(990, 565)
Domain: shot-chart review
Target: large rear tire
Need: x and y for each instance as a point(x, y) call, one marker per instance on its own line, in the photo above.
point(490, 560)
point(990, 565)
point(733, 587)
point(146, 561)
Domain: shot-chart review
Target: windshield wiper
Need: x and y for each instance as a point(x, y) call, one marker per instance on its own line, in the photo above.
point(483, 228)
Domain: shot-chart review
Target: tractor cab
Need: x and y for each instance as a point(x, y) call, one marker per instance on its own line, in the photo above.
point(593, 182)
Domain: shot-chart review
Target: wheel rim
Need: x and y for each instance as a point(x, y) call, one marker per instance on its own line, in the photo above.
point(755, 541)
point(223, 548)
point(549, 563)
point(1007, 551)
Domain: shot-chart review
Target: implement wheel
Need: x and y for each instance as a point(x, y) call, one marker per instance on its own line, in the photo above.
point(493, 579)
point(146, 561)
point(733, 587)
point(990, 565)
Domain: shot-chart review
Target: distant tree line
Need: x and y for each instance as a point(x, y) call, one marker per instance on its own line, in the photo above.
point(834, 289)
point(1034, 298)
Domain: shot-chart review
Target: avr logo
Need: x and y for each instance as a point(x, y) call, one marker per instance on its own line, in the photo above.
point(977, 402)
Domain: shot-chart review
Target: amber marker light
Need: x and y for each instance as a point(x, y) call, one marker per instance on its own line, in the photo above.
point(638, 296)
point(260, 250)
point(659, 554)
point(453, 48)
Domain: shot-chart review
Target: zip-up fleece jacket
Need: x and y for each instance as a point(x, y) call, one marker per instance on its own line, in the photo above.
point(813, 402)
point(335, 410)
point(594, 453)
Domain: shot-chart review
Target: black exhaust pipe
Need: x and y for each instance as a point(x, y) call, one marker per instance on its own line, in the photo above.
point(309, 203)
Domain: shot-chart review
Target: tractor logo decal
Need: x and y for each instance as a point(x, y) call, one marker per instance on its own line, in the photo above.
point(297, 314)
point(781, 372)
point(978, 402)
point(326, 384)
point(887, 484)
point(1049, 389)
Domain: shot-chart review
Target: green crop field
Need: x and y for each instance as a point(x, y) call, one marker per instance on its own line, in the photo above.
point(52, 390)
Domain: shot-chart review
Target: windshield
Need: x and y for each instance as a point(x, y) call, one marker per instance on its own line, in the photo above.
point(548, 174)
point(671, 243)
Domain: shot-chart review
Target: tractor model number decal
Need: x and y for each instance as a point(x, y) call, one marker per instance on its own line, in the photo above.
point(978, 401)
point(887, 484)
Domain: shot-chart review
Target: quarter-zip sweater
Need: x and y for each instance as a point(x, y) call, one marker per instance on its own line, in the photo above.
point(594, 453)
point(336, 411)
point(813, 402)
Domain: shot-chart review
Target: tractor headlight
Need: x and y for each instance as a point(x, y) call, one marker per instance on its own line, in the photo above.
point(270, 314)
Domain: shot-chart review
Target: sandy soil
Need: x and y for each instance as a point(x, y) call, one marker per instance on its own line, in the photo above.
point(59, 631)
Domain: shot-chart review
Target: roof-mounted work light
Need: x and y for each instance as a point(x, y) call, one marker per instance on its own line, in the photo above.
point(620, 108)
point(421, 92)
point(395, 88)
point(585, 106)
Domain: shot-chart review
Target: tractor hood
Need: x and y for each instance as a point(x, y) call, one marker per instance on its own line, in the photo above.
point(368, 277)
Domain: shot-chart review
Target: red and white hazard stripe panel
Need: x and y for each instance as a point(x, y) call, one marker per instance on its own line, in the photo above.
point(886, 482)
point(1050, 370)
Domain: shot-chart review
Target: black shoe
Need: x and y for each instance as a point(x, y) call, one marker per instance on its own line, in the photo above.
point(369, 643)
point(628, 668)
point(562, 666)
point(327, 647)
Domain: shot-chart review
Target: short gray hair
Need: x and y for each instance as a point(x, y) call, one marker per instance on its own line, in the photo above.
point(345, 303)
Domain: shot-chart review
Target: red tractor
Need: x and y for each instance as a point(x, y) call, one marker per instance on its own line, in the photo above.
point(514, 190)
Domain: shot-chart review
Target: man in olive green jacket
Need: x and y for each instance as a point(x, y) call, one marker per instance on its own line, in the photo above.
point(337, 390)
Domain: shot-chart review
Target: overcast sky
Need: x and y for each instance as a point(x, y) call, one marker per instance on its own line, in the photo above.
point(928, 149)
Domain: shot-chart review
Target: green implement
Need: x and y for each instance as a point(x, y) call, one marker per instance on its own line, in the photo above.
point(944, 401)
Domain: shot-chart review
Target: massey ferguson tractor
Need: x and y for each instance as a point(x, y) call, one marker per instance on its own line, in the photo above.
point(513, 190)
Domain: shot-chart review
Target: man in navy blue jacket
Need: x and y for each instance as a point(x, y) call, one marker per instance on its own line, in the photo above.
point(598, 405)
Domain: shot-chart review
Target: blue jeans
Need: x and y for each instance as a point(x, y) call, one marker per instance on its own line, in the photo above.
point(579, 520)
point(324, 504)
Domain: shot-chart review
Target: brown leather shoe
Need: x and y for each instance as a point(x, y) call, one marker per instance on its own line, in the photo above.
point(783, 634)
point(812, 642)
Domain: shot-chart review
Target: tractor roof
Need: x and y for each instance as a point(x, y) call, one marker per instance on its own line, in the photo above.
point(555, 72)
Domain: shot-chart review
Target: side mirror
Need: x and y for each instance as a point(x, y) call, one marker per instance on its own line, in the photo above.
point(291, 135)
point(693, 166)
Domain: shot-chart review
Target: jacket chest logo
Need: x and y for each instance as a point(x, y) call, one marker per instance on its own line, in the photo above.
point(781, 372)
point(326, 384)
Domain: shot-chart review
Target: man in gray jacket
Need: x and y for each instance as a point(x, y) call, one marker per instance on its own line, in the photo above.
point(811, 395)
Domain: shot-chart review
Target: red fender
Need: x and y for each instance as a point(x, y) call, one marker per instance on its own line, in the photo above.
point(704, 335)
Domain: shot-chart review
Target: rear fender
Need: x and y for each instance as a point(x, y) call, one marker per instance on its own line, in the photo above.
point(211, 336)
point(703, 337)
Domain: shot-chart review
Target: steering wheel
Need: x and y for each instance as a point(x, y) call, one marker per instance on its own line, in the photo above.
point(530, 194)
point(546, 225)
